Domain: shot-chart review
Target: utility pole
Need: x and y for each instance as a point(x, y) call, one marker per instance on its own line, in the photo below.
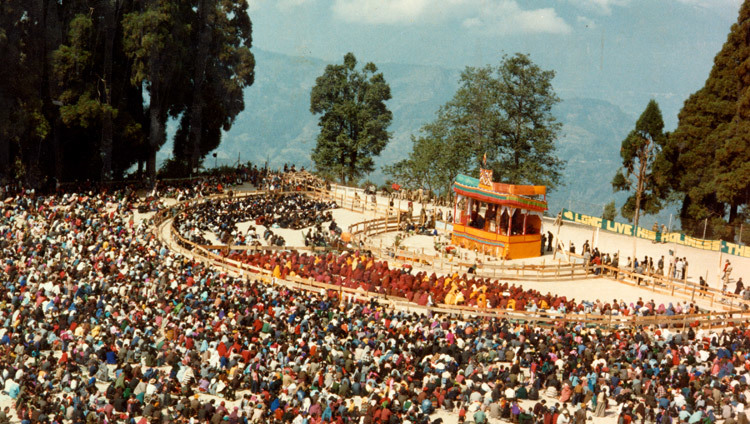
point(644, 155)
point(705, 225)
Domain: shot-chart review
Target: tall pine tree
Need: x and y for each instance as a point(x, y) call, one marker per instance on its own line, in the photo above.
point(710, 143)
point(639, 152)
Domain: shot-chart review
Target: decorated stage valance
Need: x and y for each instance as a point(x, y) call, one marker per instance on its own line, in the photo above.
point(501, 194)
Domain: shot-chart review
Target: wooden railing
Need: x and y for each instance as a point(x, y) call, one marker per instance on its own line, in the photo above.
point(707, 320)
point(654, 282)
point(552, 270)
point(679, 288)
point(361, 233)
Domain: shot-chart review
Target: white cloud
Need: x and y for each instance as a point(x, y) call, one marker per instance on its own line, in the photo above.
point(534, 21)
point(586, 22)
point(380, 11)
point(603, 7)
point(283, 5)
point(712, 2)
point(472, 23)
point(495, 16)
point(708, 4)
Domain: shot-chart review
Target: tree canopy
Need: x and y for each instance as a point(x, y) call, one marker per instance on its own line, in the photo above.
point(434, 162)
point(353, 119)
point(502, 112)
point(710, 148)
point(89, 87)
point(640, 151)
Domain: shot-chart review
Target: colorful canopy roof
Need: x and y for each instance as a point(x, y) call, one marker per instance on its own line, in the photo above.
point(501, 194)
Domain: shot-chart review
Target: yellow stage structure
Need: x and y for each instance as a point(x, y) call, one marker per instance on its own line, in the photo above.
point(502, 220)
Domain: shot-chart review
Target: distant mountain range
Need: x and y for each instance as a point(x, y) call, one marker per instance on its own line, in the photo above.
point(277, 126)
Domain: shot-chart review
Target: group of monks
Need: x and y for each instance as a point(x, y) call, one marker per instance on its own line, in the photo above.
point(362, 271)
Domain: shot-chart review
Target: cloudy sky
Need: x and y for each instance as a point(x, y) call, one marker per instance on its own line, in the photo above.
point(625, 51)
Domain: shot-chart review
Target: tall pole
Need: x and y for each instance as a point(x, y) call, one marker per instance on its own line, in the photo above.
point(643, 157)
point(669, 227)
point(721, 254)
point(705, 225)
point(740, 239)
point(558, 221)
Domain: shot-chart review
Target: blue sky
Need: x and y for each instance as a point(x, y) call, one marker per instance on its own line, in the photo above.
point(624, 51)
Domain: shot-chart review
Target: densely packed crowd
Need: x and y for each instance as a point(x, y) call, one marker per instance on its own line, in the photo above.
point(221, 217)
point(362, 271)
point(100, 322)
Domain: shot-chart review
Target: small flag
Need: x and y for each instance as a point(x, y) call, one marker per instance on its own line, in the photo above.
point(485, 178)
point(484, 159)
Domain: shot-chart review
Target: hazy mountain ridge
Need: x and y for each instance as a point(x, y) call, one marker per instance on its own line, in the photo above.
point(277, 125)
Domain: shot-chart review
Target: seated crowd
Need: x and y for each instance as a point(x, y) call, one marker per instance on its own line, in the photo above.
point(220, 217)
point(102, 323)
point(362, 271)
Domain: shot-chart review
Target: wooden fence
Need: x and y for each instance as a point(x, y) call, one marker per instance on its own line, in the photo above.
point(707, 320)
point(551, 271)
point(679, 288)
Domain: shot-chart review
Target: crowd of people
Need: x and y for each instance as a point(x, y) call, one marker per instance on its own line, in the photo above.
point(220, 217)
point(675, 268)
point(103, 323)
point(360, 270)
point(320, 236)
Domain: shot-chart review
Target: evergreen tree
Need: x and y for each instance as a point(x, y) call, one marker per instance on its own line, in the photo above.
point(221, 66)
point(639, 151)
point(434, 161)
point(710, 144)
point(526, 147)
point(75, 76)
point(156, 40)
point(472, 117)
point(21, 117)
point(354, 119)
point(610, 211)
point(503, 113)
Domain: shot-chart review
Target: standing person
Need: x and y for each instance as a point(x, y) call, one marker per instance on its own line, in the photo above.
point(684, 268)
point(616, 264)
point(679, 269)
point(549, 241)
point(597, 262)
point(579, 417)
point(660, 266)
point(601, 404)
point(462, 414)
point(740, 286)
point(607, 262)
point(586, 259)
point(727, 271)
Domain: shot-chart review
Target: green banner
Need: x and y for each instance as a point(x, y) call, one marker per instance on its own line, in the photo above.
point(657, 236)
